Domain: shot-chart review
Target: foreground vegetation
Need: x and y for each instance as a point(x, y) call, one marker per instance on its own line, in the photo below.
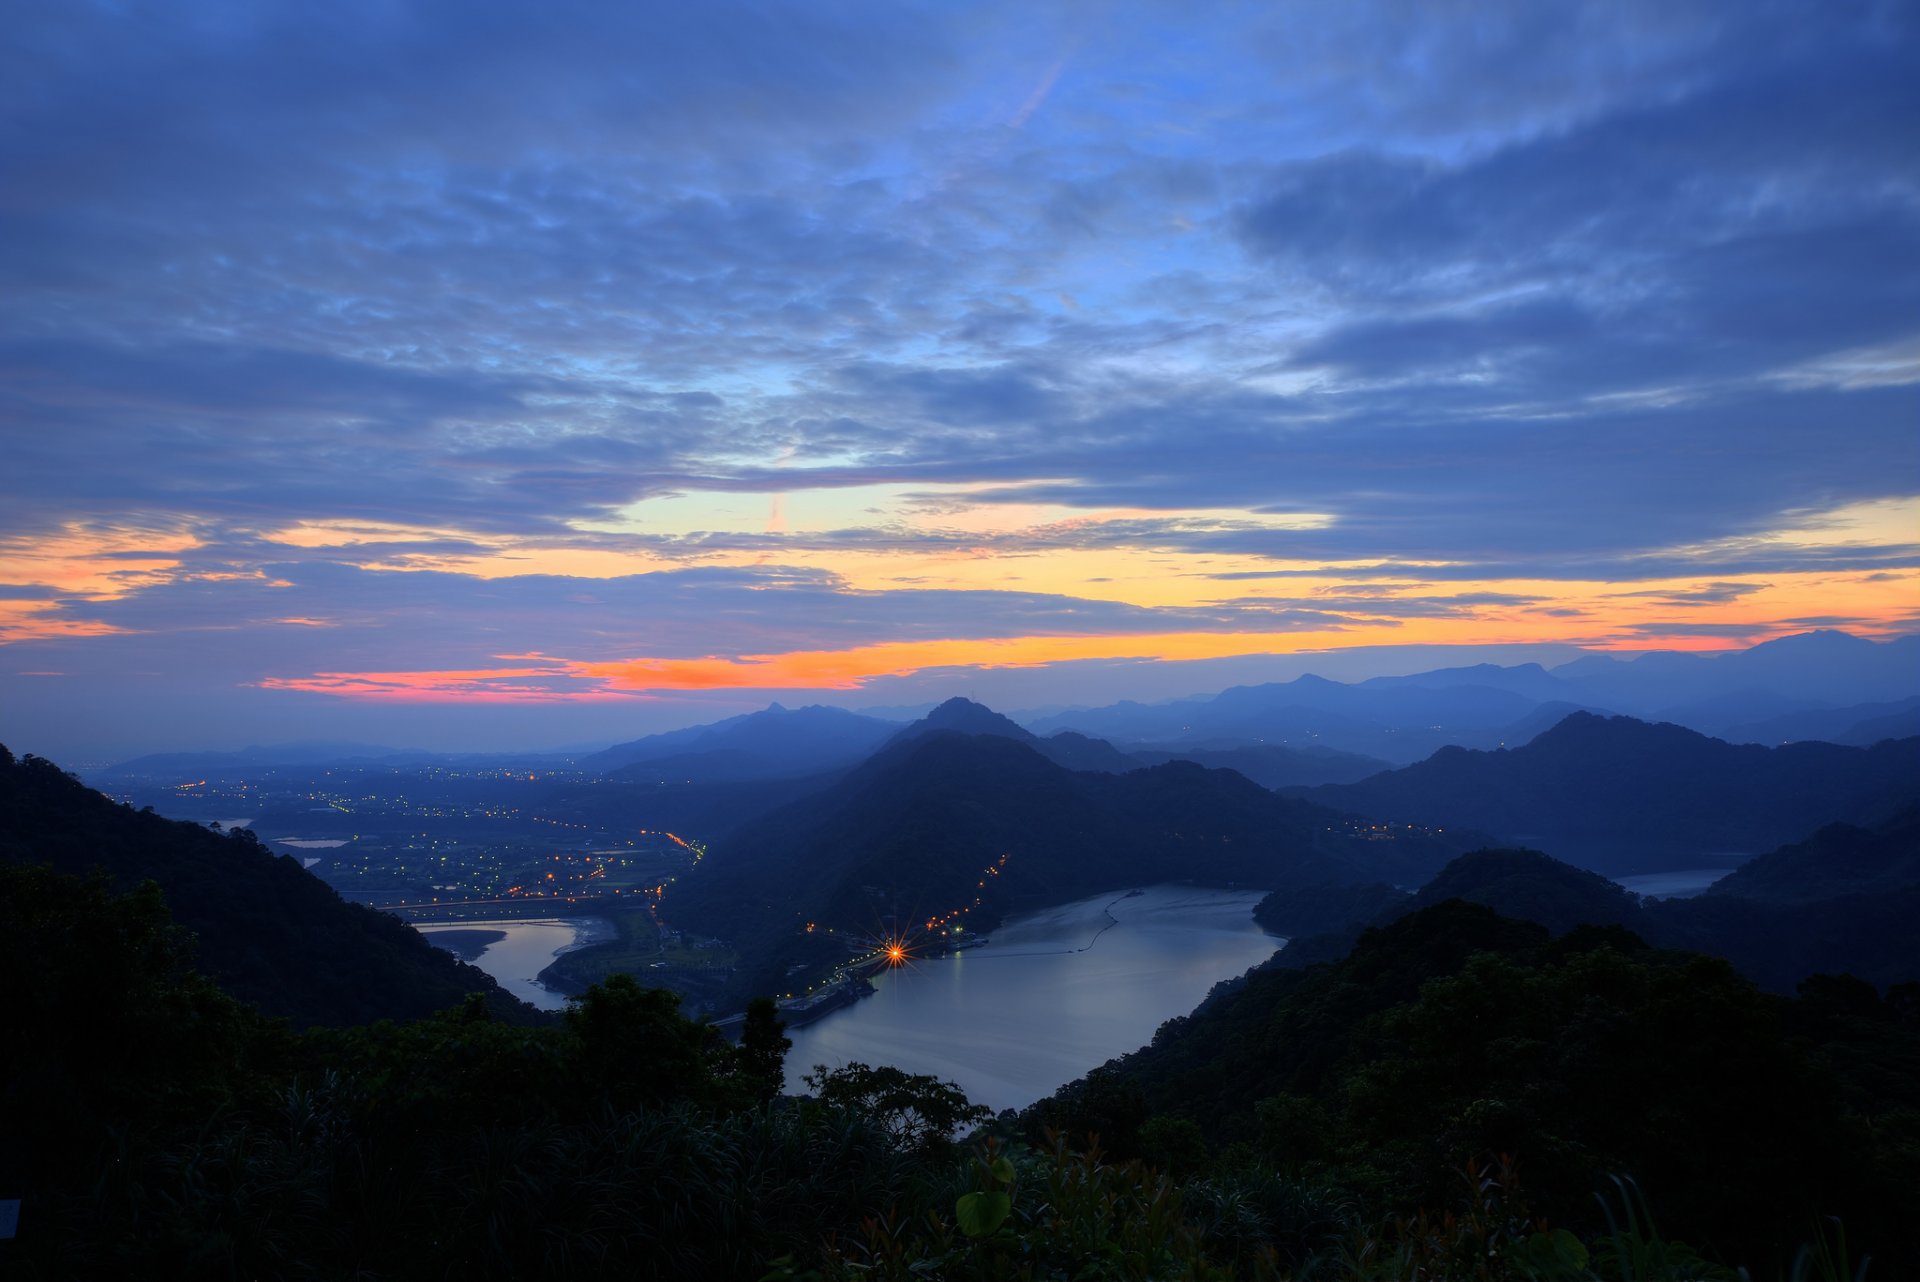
point(158, 1128)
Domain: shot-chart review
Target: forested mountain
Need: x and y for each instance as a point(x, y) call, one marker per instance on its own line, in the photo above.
point(1840, 859)
point(269, 932)
point(1618, 795)
point(1456, 1033)
point(940, 819)
point(1842, 901)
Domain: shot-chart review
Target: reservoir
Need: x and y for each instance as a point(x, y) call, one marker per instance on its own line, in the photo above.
point(1056, 992)
point(1682, 884)
point(514, 952)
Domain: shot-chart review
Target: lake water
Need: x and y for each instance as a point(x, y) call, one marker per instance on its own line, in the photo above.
point(1056, 993)
point(1684, 884)
point(525, 949)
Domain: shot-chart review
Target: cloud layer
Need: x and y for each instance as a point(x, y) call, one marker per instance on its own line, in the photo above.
point(684, 335)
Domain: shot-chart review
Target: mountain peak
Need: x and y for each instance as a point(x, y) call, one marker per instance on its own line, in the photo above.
point(964, 716)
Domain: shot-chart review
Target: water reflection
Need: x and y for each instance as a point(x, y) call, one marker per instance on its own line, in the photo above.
point(1056, 993)
point(525, 949)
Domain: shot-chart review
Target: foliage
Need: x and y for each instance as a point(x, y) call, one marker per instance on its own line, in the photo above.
point(1455, 1034)
point(763, 1049)
point(922, 1112)
point(1052, 1213)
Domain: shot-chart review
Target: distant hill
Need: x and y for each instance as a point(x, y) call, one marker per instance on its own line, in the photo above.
point(771, 743)
point(269, 932)
point(1269, 765)
point(1904, 723)
point(1397, 719)
point(1078, 752)
point(1840, 859)
point(1821, 667)
point(1273, 766)
point(1619, 795)
point(1861, 724)
point(1527, 679)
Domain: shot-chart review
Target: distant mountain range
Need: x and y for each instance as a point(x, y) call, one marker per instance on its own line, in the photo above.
point(269, 932)
point(1824, 685)
point(1621, 796)
point(1815, 685)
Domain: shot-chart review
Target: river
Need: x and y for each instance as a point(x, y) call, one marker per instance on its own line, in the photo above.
point(523, 949)
point(1054, 994)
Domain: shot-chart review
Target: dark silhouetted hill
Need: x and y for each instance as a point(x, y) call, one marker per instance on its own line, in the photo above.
point(1840, 859)
point(1523, 884)
point(1840, 902)
point(1531, 886)
point(269, 932)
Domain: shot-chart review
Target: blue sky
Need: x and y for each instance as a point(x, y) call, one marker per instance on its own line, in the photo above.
point(467, 372)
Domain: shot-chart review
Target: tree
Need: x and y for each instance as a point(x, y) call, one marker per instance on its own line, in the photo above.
point(920, 1111)
point(763, 1049)
point(636, 1047)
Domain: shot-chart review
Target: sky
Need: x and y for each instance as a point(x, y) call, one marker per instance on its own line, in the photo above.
point(467, 374)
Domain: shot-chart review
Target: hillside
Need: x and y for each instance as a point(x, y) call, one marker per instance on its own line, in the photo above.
point(269, 933)
point(1840, 902)
point(1619, 796)
point(1456, 1033)
point(1840, 859)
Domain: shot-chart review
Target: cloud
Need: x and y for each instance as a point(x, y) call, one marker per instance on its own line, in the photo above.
point(346, 298)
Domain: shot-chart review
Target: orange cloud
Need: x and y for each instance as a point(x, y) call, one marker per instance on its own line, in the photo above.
point(476, 685)
point(30, 621)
